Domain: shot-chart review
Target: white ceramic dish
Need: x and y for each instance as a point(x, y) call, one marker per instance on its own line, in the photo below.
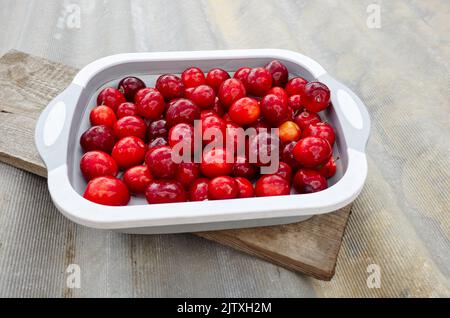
point(66, 117)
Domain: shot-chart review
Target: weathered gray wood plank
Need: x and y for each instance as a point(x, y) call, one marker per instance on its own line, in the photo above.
point(28, 84)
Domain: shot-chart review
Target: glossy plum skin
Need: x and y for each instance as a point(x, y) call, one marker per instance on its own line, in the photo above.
point(206, 113)
point(193, 77)
point(182, 136)
point(280, 93)
point(213, 127)
point(242, 75)
point(306, 118)
point(223, 188)
point(170, 86)
point(151, 105)
point(129, 86)
point(295, 102)
point(102, 115)
point(159, 161)
point(328, 170)
point(273, 109)
point(261, 125)
point(242, 168)
point(259, 81)
point(291, 114)
point(156, 142)
point(279, 72)
point(140, 94)
point(311, 152)
point(309, 181)
point(137, 178)
point(98, 138)
point(107, 190)
point(198, 190)
point(165, 191)
point(262, 147)
point(234, 137)
point(216, 77)
point(289, 131)
point(316, 96)
point(130, 126)
point(227, 119)
point(128, 152)
point(187, 173)
point(245, 111)
point(320, 130)
point(97, 164)
point(157, 128)
point(214, 163)
point(285, 171)
point(230, 91)
point(287, 155)
point(245, 188)
point(126, 109)
point(203, 96)
point(182, 111)
point(110, 97)
point(218, 107)
point(295, 86)
point(272, 185)
point(188, 92)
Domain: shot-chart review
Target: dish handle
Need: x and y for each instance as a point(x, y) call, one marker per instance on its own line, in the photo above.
point(351, 111)
point(52, 129)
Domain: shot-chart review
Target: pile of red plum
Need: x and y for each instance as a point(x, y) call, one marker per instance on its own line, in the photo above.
point(138, 135)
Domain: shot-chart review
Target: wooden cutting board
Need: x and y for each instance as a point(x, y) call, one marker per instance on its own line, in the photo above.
point(28, 83)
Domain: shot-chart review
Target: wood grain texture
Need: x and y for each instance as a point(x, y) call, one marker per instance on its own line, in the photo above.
point(29, 83)
point(309, 247)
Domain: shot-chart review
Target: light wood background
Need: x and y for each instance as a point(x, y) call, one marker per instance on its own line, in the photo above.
point(400, 222)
